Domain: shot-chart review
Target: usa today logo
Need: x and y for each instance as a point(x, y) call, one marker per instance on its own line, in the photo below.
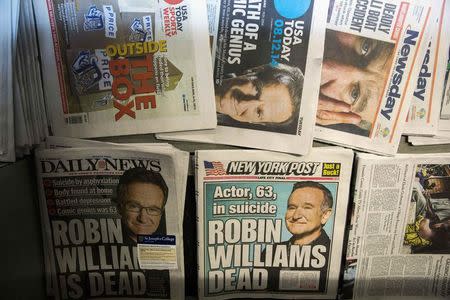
point(292, 9)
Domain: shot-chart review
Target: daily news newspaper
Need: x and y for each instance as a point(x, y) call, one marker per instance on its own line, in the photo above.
point(115, 67)
point(270, 224)
point(427, 81)
point(370, 51)
point(267, 57)
point(111, 223)
point(399, 242)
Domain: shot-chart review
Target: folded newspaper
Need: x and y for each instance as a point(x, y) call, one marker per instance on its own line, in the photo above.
point(427, 81)
point(112, 219)
point(271, 224)
point(370, 54)
point(267, 57)
point(399, 242)
point(115, 67)
point(444, 121)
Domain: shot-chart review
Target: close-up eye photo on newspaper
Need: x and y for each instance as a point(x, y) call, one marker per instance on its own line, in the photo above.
point(225, 149)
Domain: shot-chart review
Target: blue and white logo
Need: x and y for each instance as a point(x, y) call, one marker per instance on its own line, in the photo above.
point(82, 62)
point(93, 20)
point(292, 9)
point(138, 33)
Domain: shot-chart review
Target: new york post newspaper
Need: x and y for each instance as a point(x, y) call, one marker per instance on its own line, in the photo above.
point(370, 52)
point(399, 241)
point(111, 222)
point(116, 67)
point(271, 225)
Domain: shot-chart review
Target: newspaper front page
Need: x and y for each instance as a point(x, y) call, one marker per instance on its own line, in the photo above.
point(444, 122)
point(267, 57)
point(370, 52)
point(269, 224)
point(126, 67)
point(427, 81)
point(111, 223)
point(399, 242)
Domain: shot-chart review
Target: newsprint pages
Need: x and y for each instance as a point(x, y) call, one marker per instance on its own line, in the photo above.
point(444, 122)
point(270, 224)
point(267, 57)
point(427, 81)
point(399, 242)
point(116, 67)
point(370, 51)
point(111, 223)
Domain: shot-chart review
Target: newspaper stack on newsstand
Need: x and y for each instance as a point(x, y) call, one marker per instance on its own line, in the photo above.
point(23, 119)
point(399, 241)
point(371, 50)
point(112, 219)
point(270, 225)
point(436, 84)
point(267, 57)
point(116, 67)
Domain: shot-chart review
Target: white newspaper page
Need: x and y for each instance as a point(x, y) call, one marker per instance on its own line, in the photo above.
point(111, 223)
point(370, 52)
point(444, 122)
point(267, 58)
point(126, 67)
point(427, 80)
point(399, 243)
point(270, 225)
point(423, 140)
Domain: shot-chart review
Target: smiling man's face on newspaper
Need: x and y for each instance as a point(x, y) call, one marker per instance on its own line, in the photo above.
point(143, 207)
point(304, 216)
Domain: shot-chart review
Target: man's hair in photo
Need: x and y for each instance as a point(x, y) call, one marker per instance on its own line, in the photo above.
point(141, 175)
point(327, 202)
point(265, 75)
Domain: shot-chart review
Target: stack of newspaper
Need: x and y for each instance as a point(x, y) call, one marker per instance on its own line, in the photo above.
point(125, 67)
point(112, 220)
point(429, 115)
point(271, 224)
point(9, 17)
point(23, 119)
point(371, 54)
point(399, 242)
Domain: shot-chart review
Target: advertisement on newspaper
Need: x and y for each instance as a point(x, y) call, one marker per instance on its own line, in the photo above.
point(267, 57)
point(268, 223)
point(126, 67)
point(370, 52)
point(399, 243)
point(427, 81)
point(110, 224)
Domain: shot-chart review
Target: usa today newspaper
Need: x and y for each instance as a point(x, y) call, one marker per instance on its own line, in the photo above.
point(117, 67)
point(267, 57)
point(371, 50)
point(271, 224)
point(111, 222)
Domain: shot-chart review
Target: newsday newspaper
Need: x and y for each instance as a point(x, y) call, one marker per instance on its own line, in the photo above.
point(267, 57)
point(371, 50)
point(428, 80)
point(125, 67)
point(270, 225)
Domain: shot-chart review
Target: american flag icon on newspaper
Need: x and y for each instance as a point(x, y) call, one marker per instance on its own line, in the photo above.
point(214, 168)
